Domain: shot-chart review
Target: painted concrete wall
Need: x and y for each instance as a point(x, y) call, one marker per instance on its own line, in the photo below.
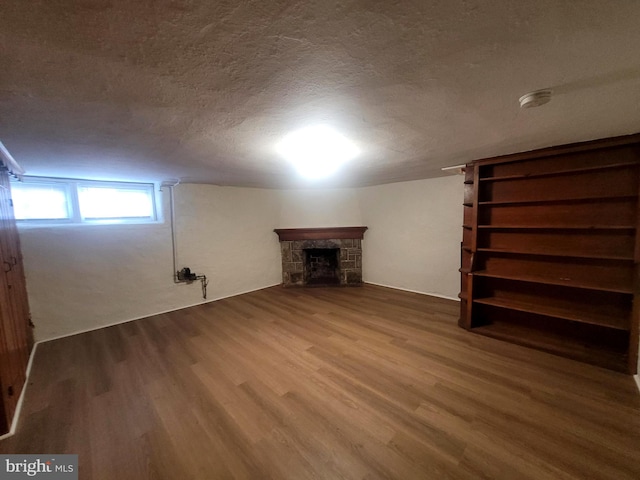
point(338, 207)
point(85, 277)
point(227, 234)
point(414, 235)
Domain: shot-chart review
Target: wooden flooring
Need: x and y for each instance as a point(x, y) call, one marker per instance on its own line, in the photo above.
point(323, 383)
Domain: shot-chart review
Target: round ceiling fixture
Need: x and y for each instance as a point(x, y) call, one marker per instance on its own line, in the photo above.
point(535, 99)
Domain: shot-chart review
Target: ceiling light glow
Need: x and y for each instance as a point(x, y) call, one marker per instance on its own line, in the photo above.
point(318, 151)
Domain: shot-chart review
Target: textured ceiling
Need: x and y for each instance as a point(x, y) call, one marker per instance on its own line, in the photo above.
point(200, 90)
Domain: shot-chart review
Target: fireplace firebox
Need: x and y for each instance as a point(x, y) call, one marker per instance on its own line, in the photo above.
point(321, 266)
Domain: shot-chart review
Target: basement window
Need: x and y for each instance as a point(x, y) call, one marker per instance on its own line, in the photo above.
point(41, 201)
point(45, 201)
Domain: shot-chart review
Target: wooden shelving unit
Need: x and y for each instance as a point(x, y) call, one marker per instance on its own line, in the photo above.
point(550, 250)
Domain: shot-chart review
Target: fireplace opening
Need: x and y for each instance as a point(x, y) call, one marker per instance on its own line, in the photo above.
point(322, 266)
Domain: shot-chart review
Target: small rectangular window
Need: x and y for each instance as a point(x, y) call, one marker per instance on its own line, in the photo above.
point(105, 202)
point(41, 201)
point(53, 201)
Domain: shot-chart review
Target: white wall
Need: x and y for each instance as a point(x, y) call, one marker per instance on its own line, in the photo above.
point(338, 207)
point(414, 235)
point(85, 277)
point(227, 234)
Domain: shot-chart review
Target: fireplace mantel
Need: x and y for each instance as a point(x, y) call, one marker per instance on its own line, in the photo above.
point(324, 233)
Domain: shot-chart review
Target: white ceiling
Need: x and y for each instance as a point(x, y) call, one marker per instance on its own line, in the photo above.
point(202, 90)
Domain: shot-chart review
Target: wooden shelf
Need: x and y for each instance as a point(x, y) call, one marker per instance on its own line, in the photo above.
point(563, 345)
point(600, 316)
point(558, 227)
point(557, 254)
point(569, 171)
point(585, 199)
point(592, 284)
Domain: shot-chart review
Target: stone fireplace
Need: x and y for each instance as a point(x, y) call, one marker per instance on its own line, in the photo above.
point(321, 256)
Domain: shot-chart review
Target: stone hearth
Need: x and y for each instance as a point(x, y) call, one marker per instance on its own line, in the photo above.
point(294, 242)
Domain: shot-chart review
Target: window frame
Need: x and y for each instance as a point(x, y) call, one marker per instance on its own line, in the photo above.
point(72, 186)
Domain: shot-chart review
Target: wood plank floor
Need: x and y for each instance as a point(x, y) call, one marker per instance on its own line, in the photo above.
point(323, 383)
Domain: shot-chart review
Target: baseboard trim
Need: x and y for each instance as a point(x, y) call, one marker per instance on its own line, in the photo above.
point(414, 291)
point(637, 379)
point(16, 416)
point(120, 322)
